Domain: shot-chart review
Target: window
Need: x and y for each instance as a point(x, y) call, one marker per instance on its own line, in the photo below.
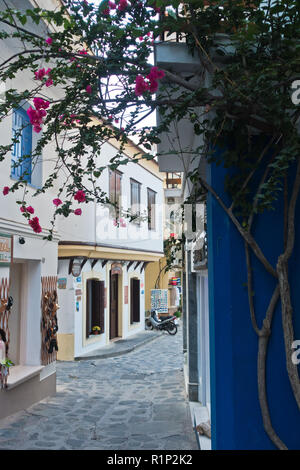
point(21, 154)
point(135, 199)
point(94, 305)
point(151, 209)
point(134, 300)
point(115, 178)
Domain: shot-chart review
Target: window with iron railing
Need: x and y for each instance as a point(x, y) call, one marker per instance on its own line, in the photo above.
point(173, 180)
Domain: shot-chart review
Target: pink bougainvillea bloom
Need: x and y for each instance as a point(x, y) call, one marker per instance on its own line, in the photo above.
point(49, 82)
point(30, 209)
point(106, 11)
point(39, 103)
point(157, 9)
point(5, 190)
point(116, 121)
point(149, 34)
point(37, 129)
point(112, 5)
point(140, 85)
point(88, 89)
point(110, 116)
point(57, 202)
point(49, 41)
point(78, 212)
point(35, 225)
point(122, 5)
point(115, 222)
point(155, 74)
point(153, 86)
point(83, 52)
point(80, 196)
point(39, 75)
point(23, 209)
point(141, 38)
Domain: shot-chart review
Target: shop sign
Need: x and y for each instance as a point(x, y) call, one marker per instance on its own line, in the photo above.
point(62, 283)
point(116, 268)
point(159, 300)
point(5, 249)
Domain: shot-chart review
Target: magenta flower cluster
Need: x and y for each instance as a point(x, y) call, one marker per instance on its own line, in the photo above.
point(141, 85)
point(36, 115)
point(41, 74)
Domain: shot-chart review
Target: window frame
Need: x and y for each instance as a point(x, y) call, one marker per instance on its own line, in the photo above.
point(115, 209)
point(152, 212)
point(138, 211)
point(19, 171)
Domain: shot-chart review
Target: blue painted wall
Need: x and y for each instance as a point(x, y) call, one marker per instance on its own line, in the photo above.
point(235, 412)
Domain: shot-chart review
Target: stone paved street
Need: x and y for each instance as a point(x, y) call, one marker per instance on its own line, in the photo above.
point(135, 401)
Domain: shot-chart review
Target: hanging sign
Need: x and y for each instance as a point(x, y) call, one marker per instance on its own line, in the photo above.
point(159, 300)
point(5, 249)
point(116, 268)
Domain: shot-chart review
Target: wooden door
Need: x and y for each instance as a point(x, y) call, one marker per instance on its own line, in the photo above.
point(113, 331)
point(135, 301)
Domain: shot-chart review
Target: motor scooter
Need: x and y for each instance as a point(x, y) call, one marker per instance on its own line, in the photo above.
point(167, 324)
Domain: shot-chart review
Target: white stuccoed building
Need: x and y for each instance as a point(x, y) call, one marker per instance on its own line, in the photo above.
point(110, 290)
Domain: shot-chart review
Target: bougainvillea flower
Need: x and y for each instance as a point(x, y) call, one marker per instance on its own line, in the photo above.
point(82, 52)
point(49, 41)
point(78, 212)
point(80, 196)
point(37, 129)
point(39, 75)
point(155, 74)
point(140, 85)
point(30, 209)
point(35, 225)
point(122, 5)
point(49, 82)
point(39, 103)
point(5, 190)
point(57, 202)
point(88, 89)
point(112, 5)
point(23, 209)
point(106, 11)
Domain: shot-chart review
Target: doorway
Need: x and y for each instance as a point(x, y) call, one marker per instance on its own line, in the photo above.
point(134, 300)
point(114, 310)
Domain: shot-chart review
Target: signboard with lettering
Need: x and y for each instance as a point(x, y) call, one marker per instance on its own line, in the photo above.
point(62, 282)
point(116, 268)
point(159, 300)
point(6, 244)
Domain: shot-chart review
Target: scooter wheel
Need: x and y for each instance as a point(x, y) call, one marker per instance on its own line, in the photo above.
point(148, 325)
point(172, 328)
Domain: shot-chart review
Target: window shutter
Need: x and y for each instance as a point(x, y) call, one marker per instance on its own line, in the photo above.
point(22, 128)
point(101, 319)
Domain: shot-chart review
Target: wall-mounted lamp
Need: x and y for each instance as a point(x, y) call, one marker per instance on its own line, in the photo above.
point(22, 241)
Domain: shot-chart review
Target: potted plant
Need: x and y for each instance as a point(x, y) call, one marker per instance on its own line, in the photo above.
point(96, 330)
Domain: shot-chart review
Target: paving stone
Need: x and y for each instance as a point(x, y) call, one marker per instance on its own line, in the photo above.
point(134, 401)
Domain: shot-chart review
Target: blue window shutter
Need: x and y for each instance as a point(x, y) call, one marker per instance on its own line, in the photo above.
point(23, 147)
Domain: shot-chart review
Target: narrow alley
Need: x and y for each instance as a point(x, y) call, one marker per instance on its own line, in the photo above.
point(134, 401)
